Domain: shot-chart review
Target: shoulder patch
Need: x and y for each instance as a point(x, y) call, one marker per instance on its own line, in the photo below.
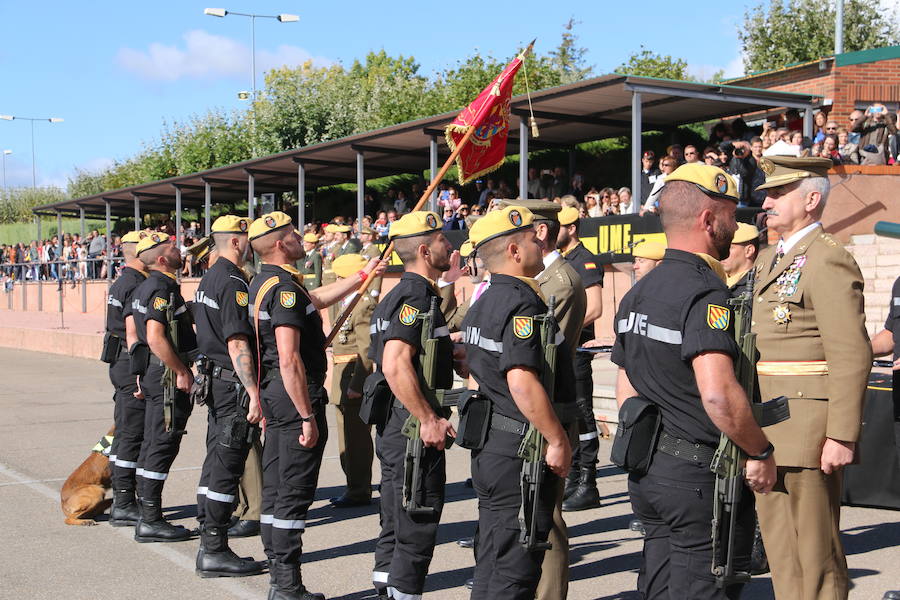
point(288, 299)
point(523, 327)
point(408, 314)
point(160, 303)
point(242, 298)
point(590, 265)
point(717, 317)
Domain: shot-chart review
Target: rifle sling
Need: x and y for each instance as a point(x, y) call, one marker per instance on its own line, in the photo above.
point(679, 448)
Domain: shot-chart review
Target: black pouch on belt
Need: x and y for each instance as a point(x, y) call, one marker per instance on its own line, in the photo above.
point(639, 427)
point(376, 400)
point(140, 358)
point(474, 420)
point(112, 346)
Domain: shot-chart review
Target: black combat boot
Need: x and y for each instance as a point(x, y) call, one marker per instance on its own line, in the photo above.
point(152, 527)
point(124, 511)
point(216, 559)
point(586, 494)
point(289, 586)
point(571, 483)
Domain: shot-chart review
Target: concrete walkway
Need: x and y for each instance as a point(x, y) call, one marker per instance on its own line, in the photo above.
point(55, 408)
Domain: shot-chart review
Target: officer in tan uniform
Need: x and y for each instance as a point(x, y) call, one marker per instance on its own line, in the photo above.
point(311, 266)
point(811, 336)
point(351, 366)
point(329, 245)
point(367, 236)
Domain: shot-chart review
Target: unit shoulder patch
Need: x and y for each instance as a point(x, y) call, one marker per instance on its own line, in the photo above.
point(288, 299)
point(717, 317)
point(160, 303)
point(242, 298)
point(523, 327)
point(408, 314)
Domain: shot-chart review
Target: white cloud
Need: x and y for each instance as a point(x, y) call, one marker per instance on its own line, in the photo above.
point(204, 55)
point(704, 72)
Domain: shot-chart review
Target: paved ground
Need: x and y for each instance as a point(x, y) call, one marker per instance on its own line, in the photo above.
point(55, 408)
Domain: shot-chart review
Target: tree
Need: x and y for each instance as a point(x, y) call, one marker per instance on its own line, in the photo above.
point(649, 64)
point(779, 33)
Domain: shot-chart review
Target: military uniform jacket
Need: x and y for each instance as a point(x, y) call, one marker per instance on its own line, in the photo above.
point(559, 279)
point(351, 246)
point(280, 300)
point(121, 295)
point(808, 316)
point(150, 302)
point(220, 311)
point(396, 318)
point(674, 313)
point(501, 333)
point(351, 345)
point(591, 274)
point(892, 323)
point(312, 270)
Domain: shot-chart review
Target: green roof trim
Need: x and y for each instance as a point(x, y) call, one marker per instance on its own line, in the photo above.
point(867, 56)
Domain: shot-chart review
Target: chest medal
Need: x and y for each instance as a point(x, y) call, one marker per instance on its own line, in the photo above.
point(787, 282)
point(781, 314)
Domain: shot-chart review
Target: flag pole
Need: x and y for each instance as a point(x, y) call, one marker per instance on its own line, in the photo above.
point(435, 181)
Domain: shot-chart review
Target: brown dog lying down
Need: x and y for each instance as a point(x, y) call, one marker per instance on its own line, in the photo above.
point(83, 495)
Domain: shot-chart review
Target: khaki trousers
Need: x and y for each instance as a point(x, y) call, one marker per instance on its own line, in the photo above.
point(250, 487)
point(554, 583)
point(354, 438)
point(800, 523)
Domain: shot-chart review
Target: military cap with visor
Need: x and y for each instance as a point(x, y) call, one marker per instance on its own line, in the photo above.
point(712, 181)
point(151, 241)
point(543, 210)
point(413, 224)
point(782, 170)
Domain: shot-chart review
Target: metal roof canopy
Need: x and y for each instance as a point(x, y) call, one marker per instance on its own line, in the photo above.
point(593, 109)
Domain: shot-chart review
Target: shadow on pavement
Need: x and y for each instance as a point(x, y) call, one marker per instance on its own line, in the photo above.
point(868, 538)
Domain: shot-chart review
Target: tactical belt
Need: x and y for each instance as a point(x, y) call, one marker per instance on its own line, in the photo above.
point(792, 367)
point(679, 448)
point(218, 372)
point(503, 423)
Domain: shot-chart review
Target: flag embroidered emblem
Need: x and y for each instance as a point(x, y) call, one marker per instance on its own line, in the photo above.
point(159, 303)
point(588, 265)
point(408, 314)
point(288, 299)
point(523, 327)
point(242, 298)
point(717, 317)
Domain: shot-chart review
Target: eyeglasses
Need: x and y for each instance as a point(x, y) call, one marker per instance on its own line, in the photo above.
point(690, 153)
point(831, 129)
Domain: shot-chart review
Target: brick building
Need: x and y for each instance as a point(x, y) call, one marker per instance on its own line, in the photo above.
point(846, 81)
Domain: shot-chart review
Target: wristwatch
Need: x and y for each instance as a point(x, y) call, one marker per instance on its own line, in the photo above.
point(765, 454)
point(311, 416)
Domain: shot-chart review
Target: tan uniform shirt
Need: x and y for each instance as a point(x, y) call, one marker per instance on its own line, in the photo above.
point(561, 280)
point(808, 315)
point(351, 346)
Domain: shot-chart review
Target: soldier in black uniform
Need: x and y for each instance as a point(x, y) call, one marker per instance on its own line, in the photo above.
point(675, 348)
point(581, 491)
point(505, 356)
point(232, 395)
point(406, 543)
point(129, 409)
point(292, 346)
point(152, 300)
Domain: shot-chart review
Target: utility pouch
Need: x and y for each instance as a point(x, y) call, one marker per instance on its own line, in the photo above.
point(112, 346)
point(237, 433)
point(376, 400)
point(200, 389)
point(474, 420)
point(140, 358)
point(640, 424)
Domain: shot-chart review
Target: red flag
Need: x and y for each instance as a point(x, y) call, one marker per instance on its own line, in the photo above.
point(489, 114)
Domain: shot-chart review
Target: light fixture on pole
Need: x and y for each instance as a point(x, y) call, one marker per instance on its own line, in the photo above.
point(282, 18)
point(32, 120)
point(5, 152)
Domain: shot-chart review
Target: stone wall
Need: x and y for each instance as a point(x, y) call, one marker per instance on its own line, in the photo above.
point(879, 260)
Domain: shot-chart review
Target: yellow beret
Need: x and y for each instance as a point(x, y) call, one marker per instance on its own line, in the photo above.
point(568, 215)
point(500, 222)
point(650, 250)
point(346, 265)
point(745, 233)
point(151, 241)
point(415, 223)
point(331, 228)
point(133, 237)
point(782, 170)
point(712, 181)
point(311, 238)
point(268, 223)
point(230, 224)
point(466, 249)
point(342, 229)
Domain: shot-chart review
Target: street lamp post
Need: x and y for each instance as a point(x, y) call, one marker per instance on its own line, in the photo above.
point(282, 18)
point(51, 120)
point(5, 152)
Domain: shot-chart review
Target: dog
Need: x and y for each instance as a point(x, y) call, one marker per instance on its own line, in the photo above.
point(83, 495)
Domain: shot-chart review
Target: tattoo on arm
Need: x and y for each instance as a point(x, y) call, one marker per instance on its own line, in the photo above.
point(244, 365)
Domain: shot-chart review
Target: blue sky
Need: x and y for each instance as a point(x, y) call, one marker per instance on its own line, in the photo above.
point(115, 71)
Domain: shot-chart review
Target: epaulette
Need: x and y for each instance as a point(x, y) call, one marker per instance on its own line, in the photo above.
point(826, 237)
